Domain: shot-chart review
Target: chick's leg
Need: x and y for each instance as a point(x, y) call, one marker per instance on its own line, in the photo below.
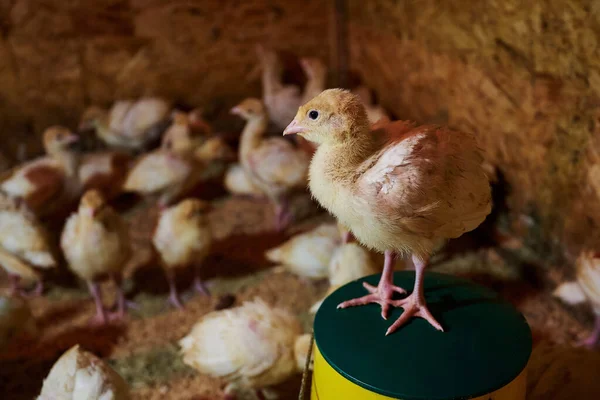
point(594, 339)
point(415, 305)
point(382, 294)
point(100, 317)
point(173, 294)
point(199, 285)
point(122, 303)
point(283, 215)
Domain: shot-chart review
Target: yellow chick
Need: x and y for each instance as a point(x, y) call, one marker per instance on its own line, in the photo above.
point(24, 245)
point(79, 374)
point(585, 288)
point(316, 71)
point(16, 320)
point(280, 100)
point(308, 254)
point(375, 112)
point(47, 184)
point(182, 238)
point(174, 168)
point(237, 182)
point(399, 189)
point(273, 164)
point(95, 242)
point(250, 346)
point(129, 125)
point(349, 262)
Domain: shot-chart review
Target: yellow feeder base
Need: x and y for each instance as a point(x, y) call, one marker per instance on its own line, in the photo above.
point(327, 384)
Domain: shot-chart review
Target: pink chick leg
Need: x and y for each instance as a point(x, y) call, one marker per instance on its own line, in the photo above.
point(122, 303)
point(594, 339)
point(173, 294)
point(100, 317)
point(283, 215)
point(382, 294)
point(200, 286)
point(414, 305)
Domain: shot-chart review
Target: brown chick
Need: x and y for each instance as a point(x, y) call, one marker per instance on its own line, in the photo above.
point(273, 164)
point(95, 242)
point(49, 183)
point(129, 125)
point(281, 100)
point(182, 238)
point(399, 189)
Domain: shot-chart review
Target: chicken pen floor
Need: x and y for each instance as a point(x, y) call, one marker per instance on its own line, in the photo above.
point(144, 349)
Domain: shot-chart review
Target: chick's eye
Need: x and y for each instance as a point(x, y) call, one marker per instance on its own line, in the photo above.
point(313, 114)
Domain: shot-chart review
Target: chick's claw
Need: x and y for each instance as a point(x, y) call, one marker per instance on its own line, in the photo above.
point(413, 307)
point(381, 295)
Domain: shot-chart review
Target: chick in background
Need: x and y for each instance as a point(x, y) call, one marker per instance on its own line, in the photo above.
point(96, 243)
point(183, 238)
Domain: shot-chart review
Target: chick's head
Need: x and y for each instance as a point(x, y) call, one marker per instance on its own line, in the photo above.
point(91, 117)
point(92, 202)
point(313, 67)
point(269, 58)
point(334, 116)
point(59, 138)
point(192, 209)
point(250, 109)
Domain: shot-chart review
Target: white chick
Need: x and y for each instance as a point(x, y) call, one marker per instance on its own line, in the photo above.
point(182, 238)
point(308, 254)
point(129, 125)
point(95, 241)
point(80, 375)
point(350, 262)
point(24, 245)
point(237, 182)
point(15, 320)
point(251, 346)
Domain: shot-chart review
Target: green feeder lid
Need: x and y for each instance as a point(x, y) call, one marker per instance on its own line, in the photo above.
point(485, 346)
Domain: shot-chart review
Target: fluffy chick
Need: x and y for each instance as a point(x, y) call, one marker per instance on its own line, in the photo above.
point(308, 254)
point(105, 171)
point(16, 320)
point(24, 245)
point(316, 71)
point(182, 238)
point(349, 262)
point(238, 182)
point(129, 125)
point(79, 374)
point(273, 164)
point(47, 184)
point(95, 242)
point(281, 100)
point(250, 346)
point(375, 112)
point(399, 189)
point(585, 288)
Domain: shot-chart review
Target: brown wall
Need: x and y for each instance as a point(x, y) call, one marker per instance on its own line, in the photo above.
point(56, 56)
point(524, 75)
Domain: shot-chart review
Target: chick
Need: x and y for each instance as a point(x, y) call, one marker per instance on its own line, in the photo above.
point(316, 72)
point(95, 241)
point(399, 189)
point(24, 245)
point(281, 100)
point(237, 182)
point(174, 168)
point(273, 164)
point(586, 287)
point(375, 112)
point(349, 262)
point(16, 320)
point(129, 125)
point(182, 238)
point(49, 183)
point(79, 374)
point(105, 171)
point(251, 346)
point(308, 254)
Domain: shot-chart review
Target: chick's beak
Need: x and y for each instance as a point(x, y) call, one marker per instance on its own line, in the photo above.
point(293, 128)
point(236, 111)
point(71, 139)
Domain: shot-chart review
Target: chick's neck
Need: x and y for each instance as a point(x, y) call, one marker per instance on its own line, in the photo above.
point(341, 160)
point(271, 79)
point(68, 159)
point(252, 134)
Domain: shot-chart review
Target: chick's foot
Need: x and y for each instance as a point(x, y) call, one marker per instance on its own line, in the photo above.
point(414, 306)
point(593, 340)
point(381, 294)
point(200, 287)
